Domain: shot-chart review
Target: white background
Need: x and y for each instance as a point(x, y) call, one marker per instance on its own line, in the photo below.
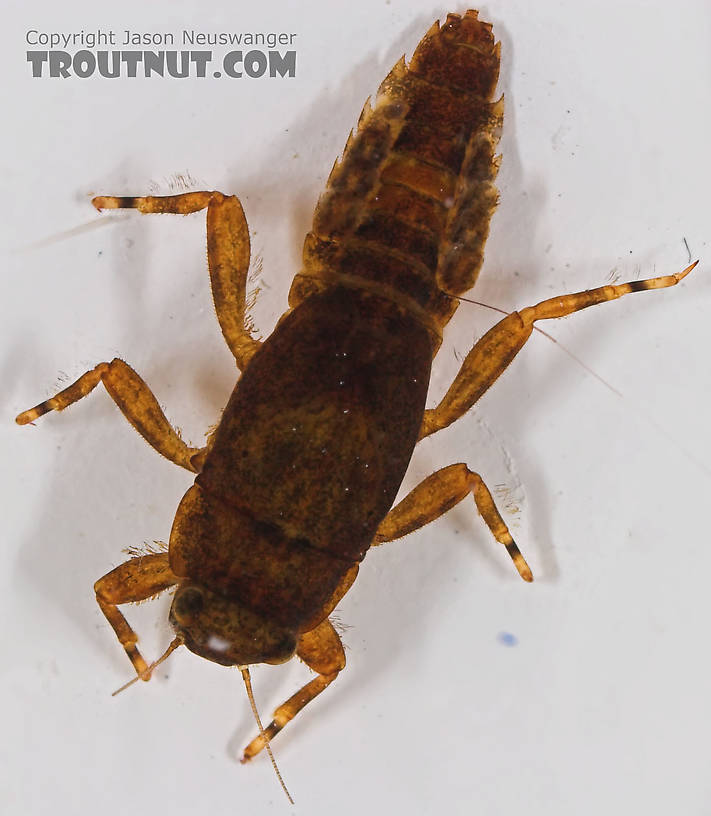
point(602, 703)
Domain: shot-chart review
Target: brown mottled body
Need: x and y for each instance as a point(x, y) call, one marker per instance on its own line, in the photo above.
point(309, 455)
point(301, 490)
point(298, 479)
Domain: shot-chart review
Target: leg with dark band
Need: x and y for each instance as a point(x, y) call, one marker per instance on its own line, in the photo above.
point(228, 256)
point(133, 581)
point(439, 493)
point(498, 347)
point(321, 650)
point(136, 402)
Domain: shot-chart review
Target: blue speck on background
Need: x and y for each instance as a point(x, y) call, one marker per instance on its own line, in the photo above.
point(507, 639)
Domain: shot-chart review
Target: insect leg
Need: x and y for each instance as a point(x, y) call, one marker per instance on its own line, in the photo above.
point(136, 402)
point(228, 256)
point(498, 347)
point(135, 580)
point(321, 649)
point(439, 493)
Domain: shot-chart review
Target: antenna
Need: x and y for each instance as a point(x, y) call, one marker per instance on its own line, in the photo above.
point(248, 685)
point(145, 674)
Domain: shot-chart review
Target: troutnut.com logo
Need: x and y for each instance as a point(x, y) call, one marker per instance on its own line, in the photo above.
point(81, 54)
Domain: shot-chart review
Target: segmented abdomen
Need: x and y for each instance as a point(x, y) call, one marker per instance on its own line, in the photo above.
point(406, 210)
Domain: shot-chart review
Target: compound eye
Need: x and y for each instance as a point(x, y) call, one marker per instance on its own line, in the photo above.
point(188, 605)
